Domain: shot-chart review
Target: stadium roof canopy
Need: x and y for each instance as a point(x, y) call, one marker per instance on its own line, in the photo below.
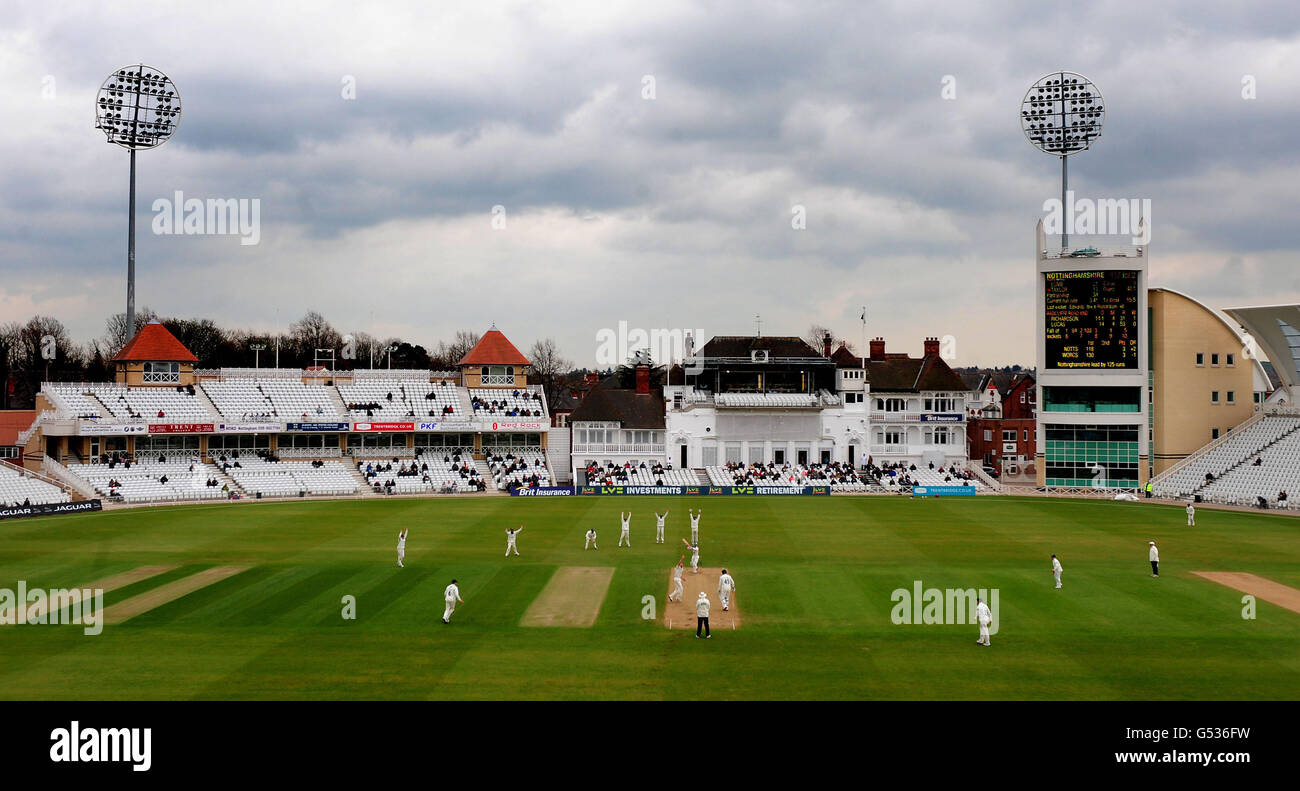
point(1276, 329)
point(494, 349)
point(153, 343)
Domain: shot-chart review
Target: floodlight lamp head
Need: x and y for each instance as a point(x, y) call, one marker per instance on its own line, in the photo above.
point(1062, 113)
point(138, 107)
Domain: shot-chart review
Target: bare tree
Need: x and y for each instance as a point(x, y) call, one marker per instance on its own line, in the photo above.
point(548, 364)
point(310, 333)
point(115, 333)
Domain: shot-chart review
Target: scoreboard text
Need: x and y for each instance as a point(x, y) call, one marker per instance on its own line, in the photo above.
point(1092, 319)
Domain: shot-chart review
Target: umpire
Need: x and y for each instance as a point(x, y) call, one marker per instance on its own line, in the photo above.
point(702, 614)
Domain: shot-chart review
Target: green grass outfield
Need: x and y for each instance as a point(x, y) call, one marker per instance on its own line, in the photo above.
point(814, 578)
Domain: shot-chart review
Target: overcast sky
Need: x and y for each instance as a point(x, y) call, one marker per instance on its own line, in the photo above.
point(670, 212)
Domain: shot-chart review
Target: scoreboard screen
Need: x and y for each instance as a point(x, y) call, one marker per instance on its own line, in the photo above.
point(1092, 319)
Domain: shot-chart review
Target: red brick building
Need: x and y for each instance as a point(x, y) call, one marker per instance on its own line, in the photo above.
point(1002, 430)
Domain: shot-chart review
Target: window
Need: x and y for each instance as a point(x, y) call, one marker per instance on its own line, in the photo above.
point(1009, 435)
point(988, 435)
point(893, 438)
point(1232, 397)
point(1026, 435)
point(162, 372)
point(1214, 396)
point(1214, 433)
point(1022, 396)
point(1214, 359)
point(1232, 360)
point(1200, 358)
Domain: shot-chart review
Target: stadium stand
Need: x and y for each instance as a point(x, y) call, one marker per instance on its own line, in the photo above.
point(638, 474)
point(274, 478)
point(79, 400)
point(840, 477)
point(395, 399)
point(1226, 472)
point(238, 399)
point(515, 467)
point(151, 481)
point(430, 471)
point(156, 403)
point(17, 489)
point(508, 403)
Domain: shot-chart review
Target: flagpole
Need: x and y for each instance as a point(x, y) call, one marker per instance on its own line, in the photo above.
point(862, 352)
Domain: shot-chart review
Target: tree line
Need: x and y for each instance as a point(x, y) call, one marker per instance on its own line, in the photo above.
point(42, 350)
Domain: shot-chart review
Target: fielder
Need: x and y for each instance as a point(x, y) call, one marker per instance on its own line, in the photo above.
point(626, 535)
point(695, 524)
point(677, 593)
point(695, 556)
point(591, 539)
point(1191, 515)
point(1056, 570)
point(1154, 557)
point(725, 586)
point(451, 596)
point(659, 528)
point(984, 617)
point(401, 547)
point(510, 540)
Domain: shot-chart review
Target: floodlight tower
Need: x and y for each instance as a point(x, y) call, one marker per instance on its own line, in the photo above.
point(1062, 114)
point(138, 107)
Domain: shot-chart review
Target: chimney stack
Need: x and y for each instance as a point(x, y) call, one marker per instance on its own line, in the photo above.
point(826, 345)
point(877, 349)
point(931, 347)
point(642, 379)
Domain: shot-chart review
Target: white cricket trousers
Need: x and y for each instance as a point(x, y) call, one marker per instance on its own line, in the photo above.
point(511, 546)
point(695, 563)
point(984, 633)
point(591, 542)
point(677, 591)
point(451, 607)
point(695, 534)
point(725, 596)
point(1057, 574)
point(625, 536)
point(659, 536)
point(401, 555)
point(1191, 521)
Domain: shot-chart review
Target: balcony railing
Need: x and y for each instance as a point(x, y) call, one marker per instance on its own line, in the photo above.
point(619, 448)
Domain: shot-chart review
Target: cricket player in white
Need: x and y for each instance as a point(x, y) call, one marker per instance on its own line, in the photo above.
point(695, 556)
point(1191, 515)
point(401, 547)
point(725, 586)
point(451, 596)
point(510, 540)
point(591, 539)
point(984, 617)
point(659, 528)
point(1154, 557)
point(677, 593)
point(626, 535)
point(695, 524)
point(702, 615)
point(1056, 570)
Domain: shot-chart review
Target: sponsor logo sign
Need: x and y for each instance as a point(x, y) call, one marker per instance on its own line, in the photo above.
point(943, 491)
point(543, 491)
point(48, 509)
point(101, 429)
point(383, 426)
point(937, 417)
point(180, 428)
point(248, 428)
point(711, 490)
point(516, 425)
point(317, 426)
